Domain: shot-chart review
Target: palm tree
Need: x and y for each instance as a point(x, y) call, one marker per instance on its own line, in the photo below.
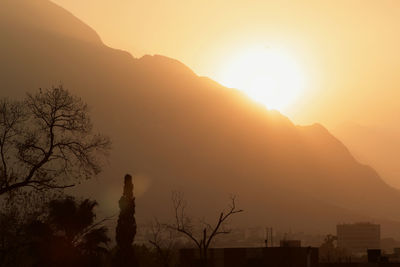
point(72, 235)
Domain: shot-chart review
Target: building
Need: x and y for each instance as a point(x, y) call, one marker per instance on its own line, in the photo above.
point(375, 258)
point(357, 238)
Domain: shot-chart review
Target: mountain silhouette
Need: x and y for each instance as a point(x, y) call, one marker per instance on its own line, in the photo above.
point(374, 146)
point(177, 131)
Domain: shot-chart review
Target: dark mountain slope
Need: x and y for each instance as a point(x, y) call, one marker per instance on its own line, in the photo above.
point(176, 130)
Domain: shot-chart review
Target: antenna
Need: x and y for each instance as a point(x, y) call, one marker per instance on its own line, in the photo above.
point(272, 238)
point(269, 236)
point(266, 237)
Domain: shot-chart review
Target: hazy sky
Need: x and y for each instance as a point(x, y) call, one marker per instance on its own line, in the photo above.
point(348, 50)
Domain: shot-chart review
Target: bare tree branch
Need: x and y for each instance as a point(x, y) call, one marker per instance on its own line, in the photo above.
point(203, 239)
point(46, 141)
point(164, 240)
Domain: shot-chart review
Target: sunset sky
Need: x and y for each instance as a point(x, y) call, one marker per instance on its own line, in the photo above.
point(346, 51)
point(292, 106)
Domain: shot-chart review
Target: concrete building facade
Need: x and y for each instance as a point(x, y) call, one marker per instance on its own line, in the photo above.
point(358, 237)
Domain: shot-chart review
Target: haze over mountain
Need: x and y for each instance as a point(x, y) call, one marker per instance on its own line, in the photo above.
point(377, 147)
point(349, 58)
point(177, 131)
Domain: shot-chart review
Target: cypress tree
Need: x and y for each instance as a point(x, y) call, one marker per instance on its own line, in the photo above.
point(126, 228)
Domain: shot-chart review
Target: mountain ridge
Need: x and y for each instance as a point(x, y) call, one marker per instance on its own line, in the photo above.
point(56, 19)
point(176, 130)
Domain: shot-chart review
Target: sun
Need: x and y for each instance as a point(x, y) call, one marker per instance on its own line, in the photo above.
point(269, 76)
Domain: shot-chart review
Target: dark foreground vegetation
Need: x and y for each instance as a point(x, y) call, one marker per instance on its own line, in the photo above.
point(47, 144)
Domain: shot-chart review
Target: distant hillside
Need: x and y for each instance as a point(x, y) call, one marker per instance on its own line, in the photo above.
point(377, 147)
point(178, 131)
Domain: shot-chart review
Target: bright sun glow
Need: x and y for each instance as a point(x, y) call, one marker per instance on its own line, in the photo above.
point(268, 76)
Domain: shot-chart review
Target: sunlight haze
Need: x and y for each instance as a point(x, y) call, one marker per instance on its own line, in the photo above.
point(268, 75)
point(350, 37)
point(199, 133)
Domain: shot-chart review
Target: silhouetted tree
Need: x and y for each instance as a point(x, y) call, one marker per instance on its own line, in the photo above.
point(65, 233)
point(329, 252)
point(9, 241)
point(126, 227)
point(164, 241)
point(46, 141)
point(77, 223)
point(15, 214)
point(69, 235)
point(203, 239)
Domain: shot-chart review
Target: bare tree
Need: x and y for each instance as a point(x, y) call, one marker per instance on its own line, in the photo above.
point(47, 141)
point(201, 239)
point(330, 252)
point(164, 241)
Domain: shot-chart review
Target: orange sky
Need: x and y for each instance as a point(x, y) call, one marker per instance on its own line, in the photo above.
point(349, 49)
